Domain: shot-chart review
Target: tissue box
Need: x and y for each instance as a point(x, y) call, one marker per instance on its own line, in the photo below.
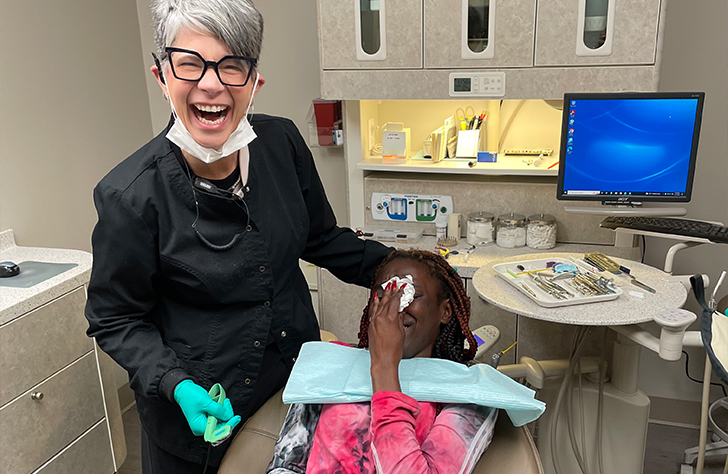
point(487, 157)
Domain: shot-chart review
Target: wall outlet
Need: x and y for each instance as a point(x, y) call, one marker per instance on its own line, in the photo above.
point(372, 134)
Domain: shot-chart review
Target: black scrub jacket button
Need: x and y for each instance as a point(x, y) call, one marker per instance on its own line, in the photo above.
point(256, 343)
point(284, 333)
point(247, 381)
point(262, 268)
point(249, 228)
point(267, 303)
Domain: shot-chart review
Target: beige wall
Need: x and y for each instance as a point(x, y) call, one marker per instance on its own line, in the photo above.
point(695, 57)
point(72, 105)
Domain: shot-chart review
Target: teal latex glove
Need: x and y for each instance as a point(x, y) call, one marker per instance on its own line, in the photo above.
point(196, 405)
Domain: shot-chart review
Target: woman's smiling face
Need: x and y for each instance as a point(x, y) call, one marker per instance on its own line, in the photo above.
point(209, 110)
point(423, 316)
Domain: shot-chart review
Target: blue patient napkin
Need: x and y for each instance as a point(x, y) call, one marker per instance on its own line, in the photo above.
point(331, 373)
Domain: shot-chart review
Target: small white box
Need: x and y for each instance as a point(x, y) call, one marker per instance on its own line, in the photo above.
point(395, 146)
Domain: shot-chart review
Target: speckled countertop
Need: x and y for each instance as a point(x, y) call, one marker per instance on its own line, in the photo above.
point(631, 307)
point(489, 255)
point(17, 301)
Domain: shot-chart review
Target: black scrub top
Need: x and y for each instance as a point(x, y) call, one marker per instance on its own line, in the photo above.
point(167, 307)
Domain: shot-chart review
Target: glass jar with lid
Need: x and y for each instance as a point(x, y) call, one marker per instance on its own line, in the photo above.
point(511, 230)
point(541, 231)
point(481, 228)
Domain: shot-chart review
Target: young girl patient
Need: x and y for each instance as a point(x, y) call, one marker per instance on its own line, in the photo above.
point(395, 433)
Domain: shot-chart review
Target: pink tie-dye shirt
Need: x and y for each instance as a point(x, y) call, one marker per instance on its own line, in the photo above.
point(394, 434)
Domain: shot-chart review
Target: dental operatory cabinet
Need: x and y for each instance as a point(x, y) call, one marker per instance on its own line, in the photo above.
point(420, 66)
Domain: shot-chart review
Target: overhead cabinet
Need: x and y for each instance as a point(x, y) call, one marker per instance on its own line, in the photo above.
point(479, 33)
point(410, 49)
point(596, 32)
point(370, 34)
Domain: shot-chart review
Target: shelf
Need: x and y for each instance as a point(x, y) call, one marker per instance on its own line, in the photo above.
point(506, 165)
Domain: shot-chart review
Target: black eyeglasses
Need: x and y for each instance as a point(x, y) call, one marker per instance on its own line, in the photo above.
point(188, 65)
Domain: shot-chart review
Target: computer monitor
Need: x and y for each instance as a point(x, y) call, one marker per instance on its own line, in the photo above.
point(629, 148)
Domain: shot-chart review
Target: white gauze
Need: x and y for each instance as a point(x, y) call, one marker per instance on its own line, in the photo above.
point(409, 290)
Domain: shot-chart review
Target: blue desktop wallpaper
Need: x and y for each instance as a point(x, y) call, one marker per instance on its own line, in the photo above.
point(629, 145)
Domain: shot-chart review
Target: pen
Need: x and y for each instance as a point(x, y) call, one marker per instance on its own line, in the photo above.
point(552, 165)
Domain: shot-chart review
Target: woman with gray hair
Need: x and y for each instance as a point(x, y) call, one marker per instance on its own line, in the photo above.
point(196, 278)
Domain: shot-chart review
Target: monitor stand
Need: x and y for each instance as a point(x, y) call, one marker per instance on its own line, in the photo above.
point(633, 209)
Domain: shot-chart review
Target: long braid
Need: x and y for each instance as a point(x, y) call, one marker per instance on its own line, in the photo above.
point(450, 342)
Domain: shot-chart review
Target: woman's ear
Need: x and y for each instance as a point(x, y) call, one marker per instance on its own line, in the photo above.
point(261, 81)
point(446, 311)
point(160, 80)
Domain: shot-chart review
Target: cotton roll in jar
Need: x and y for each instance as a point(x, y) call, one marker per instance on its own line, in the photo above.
point(541, 231)
point(511, 230)
point(481, 228)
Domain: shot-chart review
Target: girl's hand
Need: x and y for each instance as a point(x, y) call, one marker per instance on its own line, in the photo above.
point(386, 338)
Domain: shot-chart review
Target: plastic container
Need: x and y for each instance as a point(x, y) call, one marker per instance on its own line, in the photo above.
point(481, 228)
point(541, 231)
point(511, 230)
point(441, 229)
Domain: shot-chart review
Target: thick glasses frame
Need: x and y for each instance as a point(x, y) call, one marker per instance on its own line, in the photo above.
point(210, 64)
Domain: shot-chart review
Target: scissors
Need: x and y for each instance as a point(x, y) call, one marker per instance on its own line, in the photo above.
point(465, 116)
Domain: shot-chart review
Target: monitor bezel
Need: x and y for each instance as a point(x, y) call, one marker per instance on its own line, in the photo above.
point(629, 200)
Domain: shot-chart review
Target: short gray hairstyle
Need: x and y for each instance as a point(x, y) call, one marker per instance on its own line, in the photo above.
point(237, 23)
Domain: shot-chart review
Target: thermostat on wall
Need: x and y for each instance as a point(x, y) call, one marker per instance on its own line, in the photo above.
point(480, 84)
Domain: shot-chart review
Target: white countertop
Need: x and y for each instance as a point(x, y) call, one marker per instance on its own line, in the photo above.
point(626, 309)
point(17, 301)
point(506, 165)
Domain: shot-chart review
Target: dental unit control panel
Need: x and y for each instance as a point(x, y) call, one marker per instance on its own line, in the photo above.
point(410, 207)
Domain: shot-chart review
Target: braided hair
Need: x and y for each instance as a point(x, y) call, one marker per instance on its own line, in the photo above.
point(450, 343)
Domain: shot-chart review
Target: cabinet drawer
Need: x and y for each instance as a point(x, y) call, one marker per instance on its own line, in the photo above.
point(33, 431)
point(89, 454)
point(39, 343)
point(338, 38)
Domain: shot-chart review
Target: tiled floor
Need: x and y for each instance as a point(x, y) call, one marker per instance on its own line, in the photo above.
point(665, 446)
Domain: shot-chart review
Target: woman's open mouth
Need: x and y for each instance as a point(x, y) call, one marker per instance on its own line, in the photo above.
point(210, 114)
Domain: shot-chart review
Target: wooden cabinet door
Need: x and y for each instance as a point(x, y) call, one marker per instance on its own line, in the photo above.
point(633, 33)
point(510, 34)
point(402, 41)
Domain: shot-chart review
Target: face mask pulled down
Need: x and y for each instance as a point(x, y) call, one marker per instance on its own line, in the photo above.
point(241, 137)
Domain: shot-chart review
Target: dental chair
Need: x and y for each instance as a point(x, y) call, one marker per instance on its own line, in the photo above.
point(512, 450)
point(714, 418)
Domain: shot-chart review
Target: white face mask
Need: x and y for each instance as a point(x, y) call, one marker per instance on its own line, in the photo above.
point(241, 137)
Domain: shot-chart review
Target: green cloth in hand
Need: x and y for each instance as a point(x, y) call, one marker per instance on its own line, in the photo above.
point(196, 405)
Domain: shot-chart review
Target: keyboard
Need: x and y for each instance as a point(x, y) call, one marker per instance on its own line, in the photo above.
point(668, 225)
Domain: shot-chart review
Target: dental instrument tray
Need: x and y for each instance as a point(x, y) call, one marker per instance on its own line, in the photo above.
point(557, 282)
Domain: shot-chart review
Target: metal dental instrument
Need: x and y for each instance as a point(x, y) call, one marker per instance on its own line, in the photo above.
point(553, 289)
point(549, 281)
point(529, 290)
